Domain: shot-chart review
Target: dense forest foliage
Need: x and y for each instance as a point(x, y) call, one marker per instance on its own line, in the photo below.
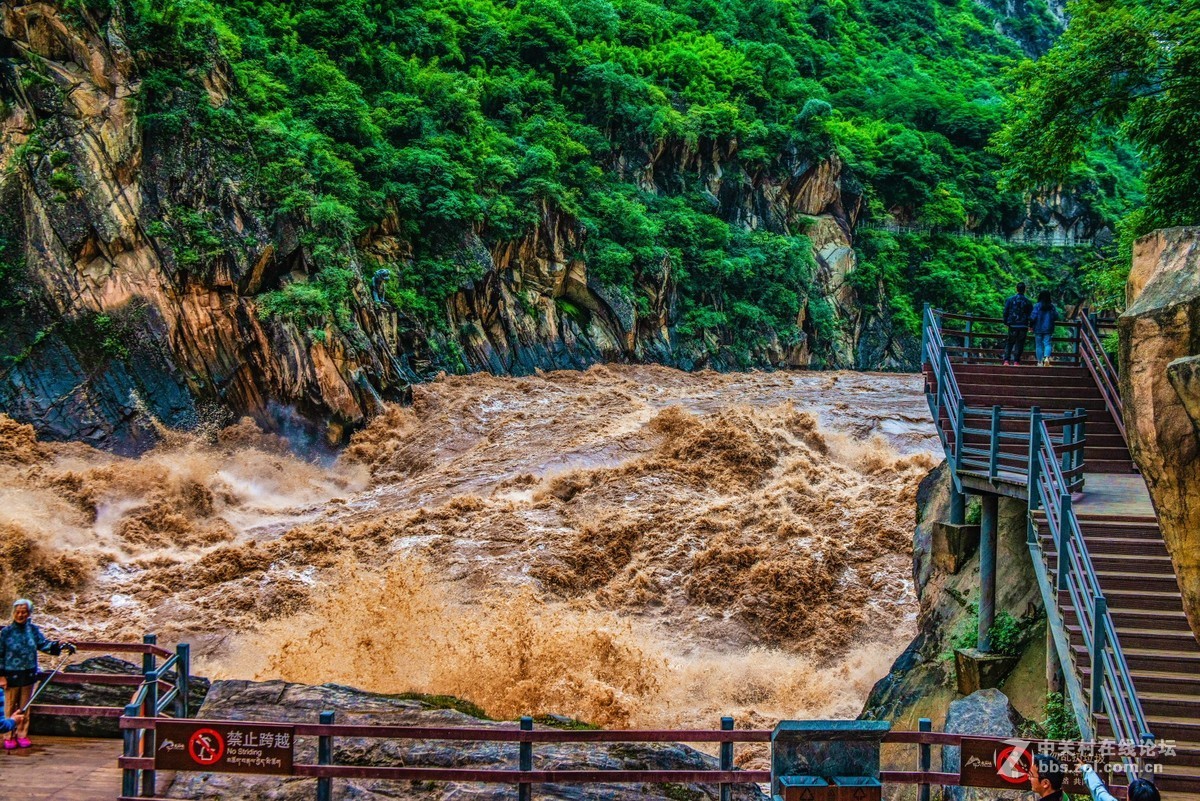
point(449, 115)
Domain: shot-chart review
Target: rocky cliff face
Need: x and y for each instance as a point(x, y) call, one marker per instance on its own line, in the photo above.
point(132, 262)
point(1160, 387)
point(922, 682)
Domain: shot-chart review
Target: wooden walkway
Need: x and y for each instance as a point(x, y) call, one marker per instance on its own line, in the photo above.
point(62, 769)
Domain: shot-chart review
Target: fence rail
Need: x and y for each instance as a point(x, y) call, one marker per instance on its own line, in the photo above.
point(325, 770)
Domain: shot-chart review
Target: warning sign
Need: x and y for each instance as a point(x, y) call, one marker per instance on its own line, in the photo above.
point(224, 747)
point(1004, 764)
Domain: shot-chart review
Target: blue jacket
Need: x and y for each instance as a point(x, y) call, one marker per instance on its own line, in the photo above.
point(1016, 311)
point(6, 724)
point(19, 644)
point(1043, 317)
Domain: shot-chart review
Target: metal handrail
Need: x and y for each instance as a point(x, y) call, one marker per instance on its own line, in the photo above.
point(1096, 360)
point(989, 459)
point(1112, 691)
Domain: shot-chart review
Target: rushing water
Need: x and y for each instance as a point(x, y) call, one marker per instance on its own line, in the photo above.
point(628, 545)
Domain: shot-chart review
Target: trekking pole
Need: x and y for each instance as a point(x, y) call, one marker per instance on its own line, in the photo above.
point(62, 662)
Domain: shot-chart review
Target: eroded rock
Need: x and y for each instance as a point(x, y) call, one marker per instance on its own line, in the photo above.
point(1160, 336)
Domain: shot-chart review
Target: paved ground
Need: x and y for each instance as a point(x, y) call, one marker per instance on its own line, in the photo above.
point(63, 769)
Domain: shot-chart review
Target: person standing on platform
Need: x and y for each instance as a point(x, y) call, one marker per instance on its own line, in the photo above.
point(20, 642)
point(1043, 318)
point(1016, 316)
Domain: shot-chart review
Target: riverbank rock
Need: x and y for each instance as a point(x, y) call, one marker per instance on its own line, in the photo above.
point(986, 713)
point(283, 701)
point(1160, 335)
point(921, 682)
point(105, 695)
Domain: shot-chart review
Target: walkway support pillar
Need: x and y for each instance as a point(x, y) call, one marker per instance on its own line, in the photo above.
point(958, 505)
point(987, 569)
point(1054, 676)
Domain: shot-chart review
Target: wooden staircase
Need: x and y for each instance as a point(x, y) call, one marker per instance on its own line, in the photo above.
point(1124, 544)
point(1061, 388)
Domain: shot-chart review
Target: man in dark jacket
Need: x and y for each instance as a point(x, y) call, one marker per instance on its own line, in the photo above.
point(1046, 776)
point(1016, 316)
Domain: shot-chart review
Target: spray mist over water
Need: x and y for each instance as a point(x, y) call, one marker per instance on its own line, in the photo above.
point(632, 546)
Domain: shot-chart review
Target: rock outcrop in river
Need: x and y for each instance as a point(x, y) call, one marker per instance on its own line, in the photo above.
point(1160, 386)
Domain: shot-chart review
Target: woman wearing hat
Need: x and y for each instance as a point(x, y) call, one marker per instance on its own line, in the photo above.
point(20, 642)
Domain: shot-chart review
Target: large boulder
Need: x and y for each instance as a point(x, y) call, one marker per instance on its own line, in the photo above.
point(1160, 333)
point(986, 713)
point(286, 702)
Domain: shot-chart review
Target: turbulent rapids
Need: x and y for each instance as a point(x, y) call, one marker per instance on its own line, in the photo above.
point(633, 546)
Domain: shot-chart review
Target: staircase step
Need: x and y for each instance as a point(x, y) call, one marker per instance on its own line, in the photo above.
point(1145, 658)
point(1137, 599)
point(1139, 620)
point(1143, 564)
point(1172, 641)
point(1108, 546)
point(1157, 681)
point(1124, 580)
point(1016, 399)
point(1163, 728)
point(1169, 705)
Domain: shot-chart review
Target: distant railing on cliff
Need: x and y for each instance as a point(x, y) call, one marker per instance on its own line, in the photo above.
point(1056, 239)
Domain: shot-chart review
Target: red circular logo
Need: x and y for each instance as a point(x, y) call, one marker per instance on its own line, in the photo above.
point(206, 746)
point(1012, 765)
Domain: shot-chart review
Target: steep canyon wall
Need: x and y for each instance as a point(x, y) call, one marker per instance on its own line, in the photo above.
point(110, 312)
point(1160, 387)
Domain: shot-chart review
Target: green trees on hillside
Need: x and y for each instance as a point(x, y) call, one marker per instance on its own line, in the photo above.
point(1133, 64)
point(476, 115)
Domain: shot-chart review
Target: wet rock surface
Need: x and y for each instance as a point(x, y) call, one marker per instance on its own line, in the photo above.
point(1160, 336)
point(284, 702)
point(986, 713)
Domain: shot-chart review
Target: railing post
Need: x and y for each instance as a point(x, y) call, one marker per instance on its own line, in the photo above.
point(1064, 539)
point(183, 678)
point(994, 446)
point(129, 776)
point(925, 315)
point(1075, 342)
point(1099, 613)
point(1035, 471)
point(1080, 436)
point(924, 761)
point(525, 761)
point(726, 759)
point(148, 659)
point(967, 342)
point(958, 436)
point(1068, 436)
point(150, 737)
point(325, 757)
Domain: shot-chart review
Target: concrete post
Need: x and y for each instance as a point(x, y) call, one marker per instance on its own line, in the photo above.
point(958, 505)
point(1054, 676)
point(987, 570)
